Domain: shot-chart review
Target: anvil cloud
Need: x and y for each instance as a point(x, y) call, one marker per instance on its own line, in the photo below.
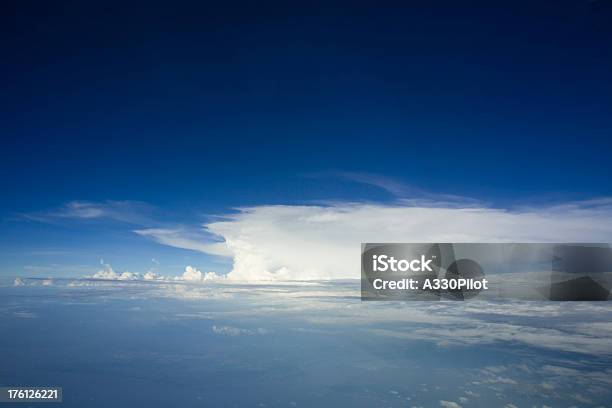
point(305, 242)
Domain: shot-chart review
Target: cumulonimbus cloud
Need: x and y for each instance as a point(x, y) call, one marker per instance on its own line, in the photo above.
point(304, 242)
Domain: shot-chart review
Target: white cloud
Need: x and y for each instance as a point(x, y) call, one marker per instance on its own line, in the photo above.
point(325, 307)
point(304, 242)
point(404, 192)
point(236, 331)
point(323, 242)
point(191, 274)
point(133, 212)
point(108, 273)
point(491, 332)
point(500, 380)
point(547, 386)
point(33, 282)
point(582, 399)
point(25, 315)
point(150, 275)
point(182, 238)
point(308, 242)
point(449, 404)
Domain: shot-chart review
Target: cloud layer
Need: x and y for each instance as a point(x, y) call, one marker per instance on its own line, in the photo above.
point(553, 352)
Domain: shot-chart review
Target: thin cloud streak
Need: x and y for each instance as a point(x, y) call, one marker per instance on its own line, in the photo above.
point(401, 191)
point(131, 212)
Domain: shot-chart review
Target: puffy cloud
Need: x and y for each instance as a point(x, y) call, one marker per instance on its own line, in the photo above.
point(191, 274)
point(33, 282)
point(108, 273)
point(150, 275)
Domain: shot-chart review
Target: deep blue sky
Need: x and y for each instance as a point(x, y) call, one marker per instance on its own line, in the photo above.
point(202, 107)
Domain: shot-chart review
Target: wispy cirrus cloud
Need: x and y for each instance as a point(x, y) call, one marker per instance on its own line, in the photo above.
point(148, 219)
point(196, 240)
point(132, 212)
point(398, 189)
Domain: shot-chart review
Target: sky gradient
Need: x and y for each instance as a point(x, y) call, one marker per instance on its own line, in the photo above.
point(124, 118)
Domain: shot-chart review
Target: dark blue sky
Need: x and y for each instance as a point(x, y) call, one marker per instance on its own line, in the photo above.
point(202, 107)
